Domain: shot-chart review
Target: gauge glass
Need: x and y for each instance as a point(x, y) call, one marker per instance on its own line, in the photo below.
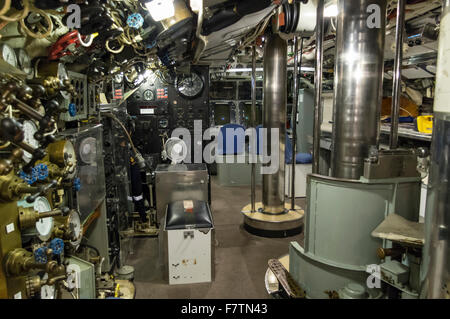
point(44, 226)
point(24, 61)
point(149, 95)
point(29, 129)
point(190, 86)
point(8, 55)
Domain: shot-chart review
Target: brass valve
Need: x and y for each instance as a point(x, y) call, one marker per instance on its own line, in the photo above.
point(28, 216)
point(7, 164)
point(19, 262)
point(35, 283)
point(12, 187)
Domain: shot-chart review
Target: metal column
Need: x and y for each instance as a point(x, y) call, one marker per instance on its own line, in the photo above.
point(294, 116)
point(274, 117)
point(253, 185)
point(318, 87)
point(436, 257)
point(395, 112)
point(358, 85)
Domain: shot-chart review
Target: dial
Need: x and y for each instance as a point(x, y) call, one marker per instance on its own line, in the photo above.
point(190, 86)
point(24, 61)
point(74, 224)
point(8, 55)
point(163, 123)
point(29, 129)
point(44, 226)
point(149, 95)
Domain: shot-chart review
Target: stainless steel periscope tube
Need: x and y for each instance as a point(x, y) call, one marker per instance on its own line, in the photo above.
point(253, 182)
point(274, 117)
point(357, 84)
point(436, 257)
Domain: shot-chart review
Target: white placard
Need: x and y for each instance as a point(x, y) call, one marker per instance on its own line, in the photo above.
point(147, 111)
point(10, 228)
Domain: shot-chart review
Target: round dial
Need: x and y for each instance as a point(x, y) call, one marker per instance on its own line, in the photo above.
point(163, 123)
point(29, 129)
point(24, 61)
point(190, 86)
point(44, 226)
point(8, 55)
point(74, 224)
point(149, 95)
point(48, 292)
point(88, 150)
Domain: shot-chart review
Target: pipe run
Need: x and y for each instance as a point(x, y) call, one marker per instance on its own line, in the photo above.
point(318, 86)
point(395, 112)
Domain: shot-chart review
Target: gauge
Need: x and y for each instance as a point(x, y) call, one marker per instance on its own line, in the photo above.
point(24, 61)
point(190, 86)
point(29, 129)
point(88, 150)
point(44, 226)
point(8, 55)
point(62, 153)
point(149, 95)
point(74, 225)
point(47, 292)
point(163, 123)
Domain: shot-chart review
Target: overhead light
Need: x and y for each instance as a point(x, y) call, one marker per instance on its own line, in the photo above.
point(330, 11)
point(161, 9)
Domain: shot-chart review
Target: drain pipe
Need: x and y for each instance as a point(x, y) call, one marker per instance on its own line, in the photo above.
point(397, 89)
point(318, 86)
point(435, 270)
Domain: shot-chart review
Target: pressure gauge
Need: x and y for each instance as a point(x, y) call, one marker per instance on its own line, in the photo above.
point(44, 226)
point(149, 95)
point(163, 123)
point(29, 129)
point(47, 292)
point(190, 86)
point(8, 55)
point(74, 225)
point(62, 153)
point(24, 61)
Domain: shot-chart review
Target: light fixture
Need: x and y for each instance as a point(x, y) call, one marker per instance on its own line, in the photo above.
point(161, 9)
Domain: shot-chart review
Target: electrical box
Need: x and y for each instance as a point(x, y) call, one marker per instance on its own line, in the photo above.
point(189, 242)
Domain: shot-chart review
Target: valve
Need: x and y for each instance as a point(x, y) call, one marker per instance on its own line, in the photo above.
point(77, 184)
point(40, 255)
point(57, 246)
point(72, 109)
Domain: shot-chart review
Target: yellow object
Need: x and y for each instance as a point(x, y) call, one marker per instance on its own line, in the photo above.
point(117, 292)
point(425, 124)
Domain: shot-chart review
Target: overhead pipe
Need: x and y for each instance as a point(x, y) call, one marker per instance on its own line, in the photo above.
point(397, 89)
point(318, 86)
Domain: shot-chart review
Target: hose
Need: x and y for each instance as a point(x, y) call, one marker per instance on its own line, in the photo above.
point(114, 51)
